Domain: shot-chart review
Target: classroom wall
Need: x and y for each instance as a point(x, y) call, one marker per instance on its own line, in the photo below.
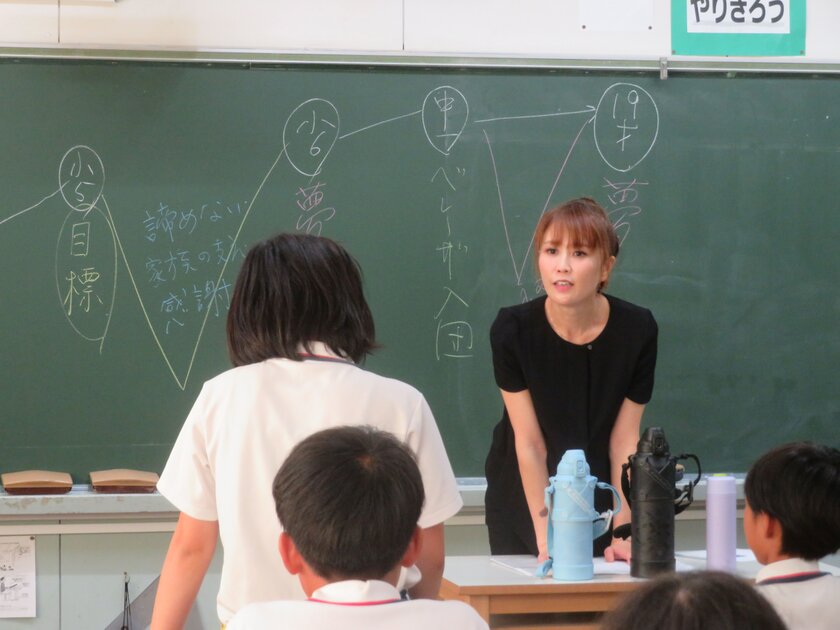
point(551, 28)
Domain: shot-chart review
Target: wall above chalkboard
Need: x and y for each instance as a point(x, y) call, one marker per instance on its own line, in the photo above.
point(130, 191)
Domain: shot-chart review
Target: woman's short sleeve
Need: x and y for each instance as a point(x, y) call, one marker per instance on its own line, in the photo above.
point(641, 385)
point(507, 358)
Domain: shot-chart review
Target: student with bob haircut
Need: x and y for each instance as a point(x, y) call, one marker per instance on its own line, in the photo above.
point(698, 600)
point(297, 327)
point(791, 520)
point(575, 368)
point(348, 500)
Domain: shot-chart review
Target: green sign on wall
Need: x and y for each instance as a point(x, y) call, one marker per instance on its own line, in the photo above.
point(738, 27)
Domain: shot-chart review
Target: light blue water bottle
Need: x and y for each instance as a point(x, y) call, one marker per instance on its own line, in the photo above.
point(573, 522)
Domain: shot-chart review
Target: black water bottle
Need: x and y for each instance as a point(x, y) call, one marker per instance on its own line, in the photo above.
point(654, 501)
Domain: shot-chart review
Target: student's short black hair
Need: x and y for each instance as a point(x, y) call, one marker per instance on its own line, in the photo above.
point(798, 484)
point(350, 499)
point(697, 600)
point(294, 289)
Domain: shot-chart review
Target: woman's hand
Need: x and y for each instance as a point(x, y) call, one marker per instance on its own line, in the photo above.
point(618, 550)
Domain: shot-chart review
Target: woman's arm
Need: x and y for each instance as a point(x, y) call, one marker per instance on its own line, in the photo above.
point(531, 454)
point(623, 441)
point(189, 555)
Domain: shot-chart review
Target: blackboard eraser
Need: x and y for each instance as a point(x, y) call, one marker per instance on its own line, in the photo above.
point(37, 482)
point(123, 480)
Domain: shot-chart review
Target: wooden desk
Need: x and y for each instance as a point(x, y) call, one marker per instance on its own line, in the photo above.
point(511, 600)
point(506, 599)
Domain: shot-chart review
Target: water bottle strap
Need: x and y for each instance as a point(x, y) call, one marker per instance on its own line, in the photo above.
point(574, 495)
point(685, 498)
point(549, 491)
point(607, 516)
point(651, 472)
point(625, 479)
point(544, 568)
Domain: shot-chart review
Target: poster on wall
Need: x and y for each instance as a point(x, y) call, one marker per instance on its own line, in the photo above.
point(742, 28)
point(17, 576)
point(615, 16)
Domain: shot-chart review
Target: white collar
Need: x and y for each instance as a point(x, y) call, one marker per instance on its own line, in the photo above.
point(356, 592)
point(320, 349)
point(791, 566)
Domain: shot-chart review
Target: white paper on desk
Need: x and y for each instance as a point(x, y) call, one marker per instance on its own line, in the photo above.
point(527, 565)
point(741, 555)
point(17, 576)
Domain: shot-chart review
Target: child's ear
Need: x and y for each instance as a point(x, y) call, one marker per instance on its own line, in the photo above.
point(413, 550)
point(292, 559)
point(772, 527)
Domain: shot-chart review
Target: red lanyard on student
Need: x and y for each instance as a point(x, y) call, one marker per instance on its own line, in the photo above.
point(793, 577)
point(376, 603)
point(323, 357)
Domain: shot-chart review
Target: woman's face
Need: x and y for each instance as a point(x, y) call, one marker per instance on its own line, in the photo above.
point(571, 273)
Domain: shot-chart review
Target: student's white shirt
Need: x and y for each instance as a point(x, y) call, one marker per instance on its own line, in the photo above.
point(358, 605)
point(242, 427)
point(812, 603)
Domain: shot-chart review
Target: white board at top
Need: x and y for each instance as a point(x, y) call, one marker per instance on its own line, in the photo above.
point(615, 16)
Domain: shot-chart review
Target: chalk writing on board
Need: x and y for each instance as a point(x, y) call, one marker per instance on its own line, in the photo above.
point(33, 206)
point(178, 273)
point(309, 135)
point(625, 127)
point(453, 335)
point(452, 244)
point(81, 177)
point(312, 216)
point(519, 262)
point(589, 109)
point(376, 124)
point(623, 203)
point(86, 252)
point(184, 280)
point(184, 248)
point(86, 272)
point(183, 283)
point(445, 114)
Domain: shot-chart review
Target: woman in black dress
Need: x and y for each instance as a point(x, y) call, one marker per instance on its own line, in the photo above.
point(575, 368)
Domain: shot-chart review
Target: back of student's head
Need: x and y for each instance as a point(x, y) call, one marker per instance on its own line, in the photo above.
point(798, 484)
point(698, 600)
point(350, 499)
point(294, 289)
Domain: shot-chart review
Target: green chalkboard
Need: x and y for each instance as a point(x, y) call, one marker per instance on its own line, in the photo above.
point(129, 192)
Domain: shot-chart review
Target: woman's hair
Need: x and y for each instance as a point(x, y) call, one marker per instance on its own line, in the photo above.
point(584, 221)
point(295, 289)
point(694, 601)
